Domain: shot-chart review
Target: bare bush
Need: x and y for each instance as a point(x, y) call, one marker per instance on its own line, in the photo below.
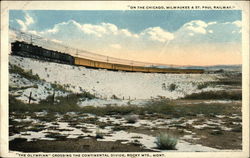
point(131, 118)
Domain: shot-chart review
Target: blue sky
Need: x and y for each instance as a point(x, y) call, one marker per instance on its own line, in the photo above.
point(163, 36)
point(132, 20)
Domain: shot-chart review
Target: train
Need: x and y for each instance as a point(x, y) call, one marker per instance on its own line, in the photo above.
point(33, 51)
point(24, 49)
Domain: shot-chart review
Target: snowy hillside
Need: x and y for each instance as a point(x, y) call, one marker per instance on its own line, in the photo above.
point(108, 84)
point(136, 113)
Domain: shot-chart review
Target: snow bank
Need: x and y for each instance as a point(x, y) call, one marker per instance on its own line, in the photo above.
point(124, 85)
point(40, 90)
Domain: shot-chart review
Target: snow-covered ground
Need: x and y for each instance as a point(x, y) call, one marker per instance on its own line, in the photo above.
point(40, 90)
point(113, 88)
point(105, 84)
point(148, 141)
point(83, 130)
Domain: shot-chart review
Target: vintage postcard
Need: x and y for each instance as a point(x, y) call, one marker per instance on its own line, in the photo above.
point(125, 79)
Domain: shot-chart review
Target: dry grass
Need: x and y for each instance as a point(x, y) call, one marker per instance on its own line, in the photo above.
point(221, 95)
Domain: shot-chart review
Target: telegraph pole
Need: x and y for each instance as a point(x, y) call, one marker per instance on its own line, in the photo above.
point(132, 65)
point(76, 52)
point(31, 39)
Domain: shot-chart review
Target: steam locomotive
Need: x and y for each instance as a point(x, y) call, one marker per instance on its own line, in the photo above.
point(29, 50)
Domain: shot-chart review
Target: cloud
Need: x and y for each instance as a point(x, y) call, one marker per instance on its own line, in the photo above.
point(196, 26)
point(194, 38)
point(55, 40)
point(157, 34)
point(237, 23)
point(88, 29)
point(103, 34)
point(190, 34)
point(116, 46)
point(24, 24)
point(33, 32)
point(212, 23)
point(97, 30)
point(64, 31)
point(107, 39)
point(127, 33)
point(198, 31)
point(28, 19)
point(210, 31)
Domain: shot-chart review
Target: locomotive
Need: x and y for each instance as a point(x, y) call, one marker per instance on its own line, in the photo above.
point(29, 50)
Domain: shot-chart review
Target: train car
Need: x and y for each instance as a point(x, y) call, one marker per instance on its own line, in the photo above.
point(20, 48)
point(55, 56)
point(84, 62)
point(37, 51)
point(28, 50)
point(120, 67)
point(104, 65)
point(94, 64)
point(140, 69)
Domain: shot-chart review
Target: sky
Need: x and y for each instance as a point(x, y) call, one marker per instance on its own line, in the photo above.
point(179, 37)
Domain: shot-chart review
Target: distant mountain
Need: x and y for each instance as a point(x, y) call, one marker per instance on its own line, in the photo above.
point(208, 68)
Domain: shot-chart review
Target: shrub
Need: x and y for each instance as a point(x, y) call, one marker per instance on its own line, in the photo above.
point(165, 141)
point(225, 95)
point(203, 85)
point(87, 95)
point(114, 97)
point(216, 132)
point(59, 87)
point(237, 129)
point(26, 74)
point(65, 104)
point(57, 136)
point(118, 128)
point(19, 140)
point(172, 87)
point(164, 86)
point(99, 135)
point(131, 118)
point(22, 88)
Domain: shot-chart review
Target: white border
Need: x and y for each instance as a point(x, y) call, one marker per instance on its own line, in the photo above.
point(122, 5)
